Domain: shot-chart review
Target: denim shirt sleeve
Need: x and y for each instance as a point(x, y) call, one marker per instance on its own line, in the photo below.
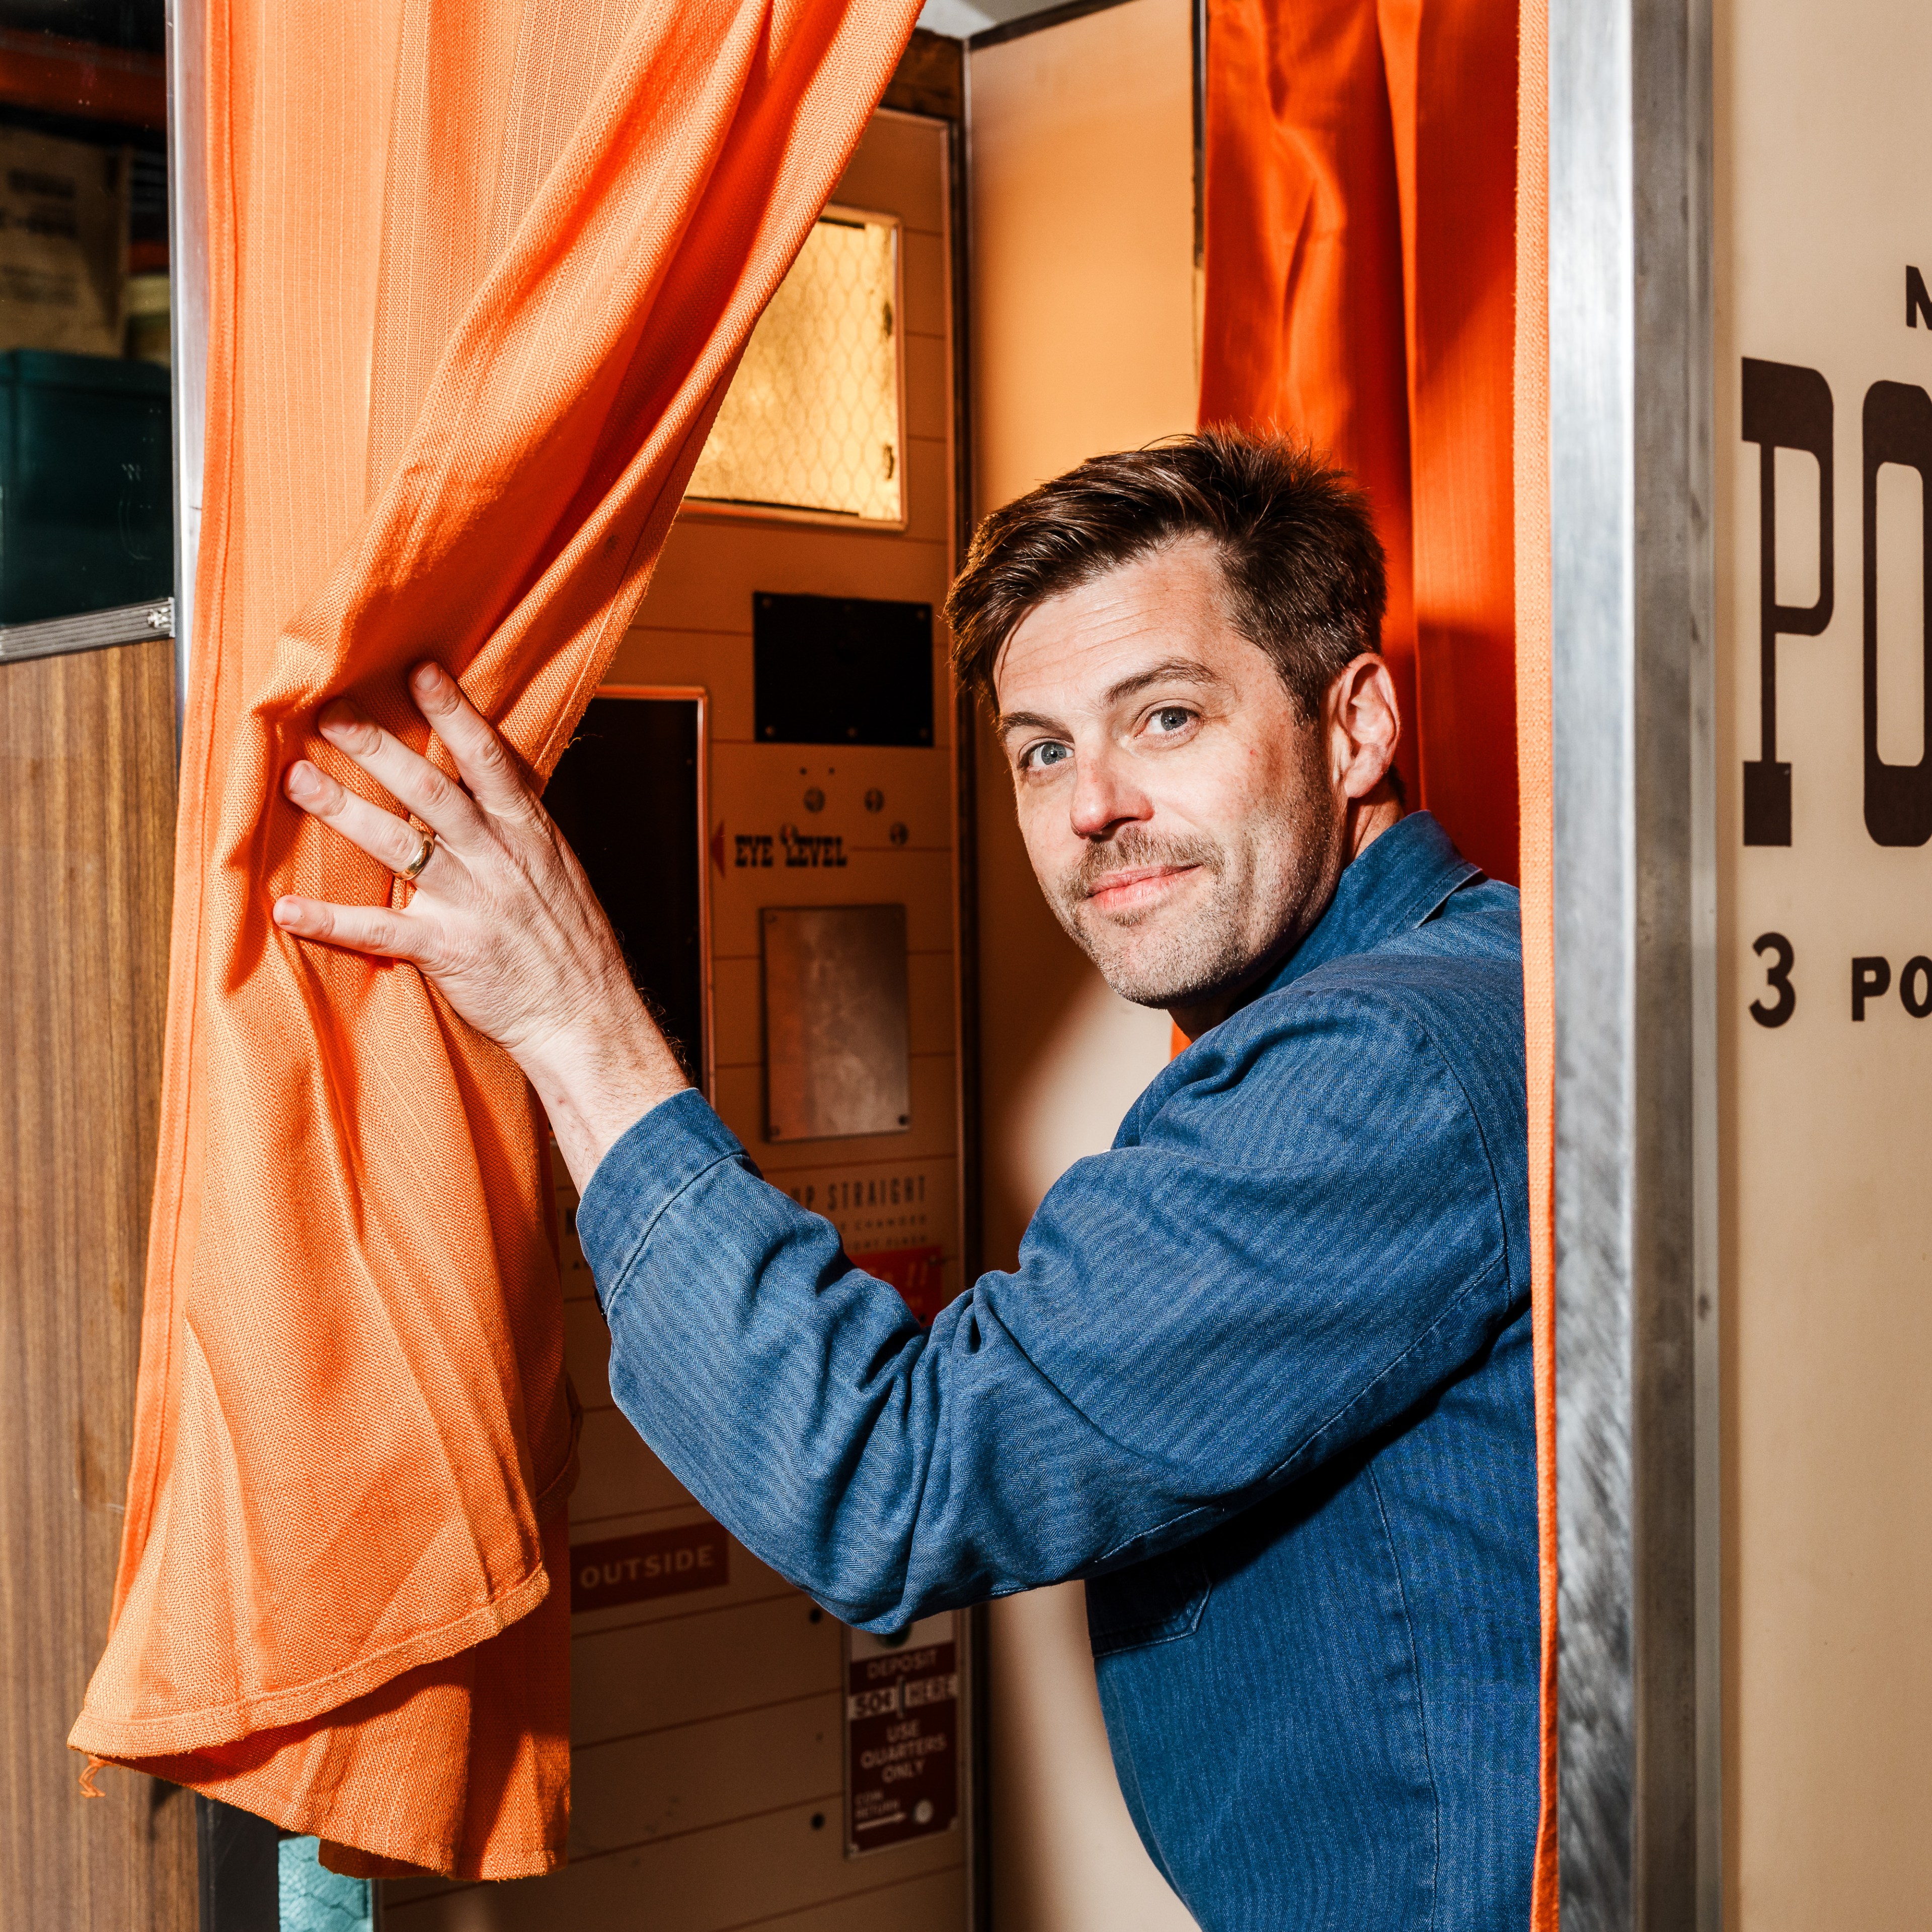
point(1297, 1237)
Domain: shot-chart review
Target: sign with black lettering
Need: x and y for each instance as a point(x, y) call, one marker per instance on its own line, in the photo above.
point(1786, 407)
point(807, 851)
point(655, 1563)
point(902, 1735)
point(1815, 1337)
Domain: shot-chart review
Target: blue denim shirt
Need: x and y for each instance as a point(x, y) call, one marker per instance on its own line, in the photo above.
point(1262, 1376)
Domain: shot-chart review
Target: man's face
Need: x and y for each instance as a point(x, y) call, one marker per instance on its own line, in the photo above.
point(1184, 818)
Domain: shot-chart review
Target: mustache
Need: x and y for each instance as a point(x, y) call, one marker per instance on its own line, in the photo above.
point(1130, 851)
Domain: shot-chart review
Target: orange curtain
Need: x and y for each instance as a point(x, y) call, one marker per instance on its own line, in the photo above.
point(1535, 780)
point(481, 271)
point(1377, 282)
point(1361, 187)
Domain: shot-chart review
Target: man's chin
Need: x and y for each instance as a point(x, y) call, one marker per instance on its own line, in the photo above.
point(1148, 979)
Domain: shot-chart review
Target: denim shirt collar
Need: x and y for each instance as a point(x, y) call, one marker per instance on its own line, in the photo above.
point(1405, 876)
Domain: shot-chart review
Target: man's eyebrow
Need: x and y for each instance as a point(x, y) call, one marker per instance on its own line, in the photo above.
point(1169, 671)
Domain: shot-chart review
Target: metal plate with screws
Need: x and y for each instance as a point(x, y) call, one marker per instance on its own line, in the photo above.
point(837, 1031)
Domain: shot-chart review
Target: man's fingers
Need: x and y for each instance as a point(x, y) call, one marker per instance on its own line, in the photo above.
point(438, 801)
point(481, 758)
point(390, 935)
point(391, 841)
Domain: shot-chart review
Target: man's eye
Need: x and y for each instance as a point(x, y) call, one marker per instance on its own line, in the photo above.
point(1170, 718)
point(1036, 758)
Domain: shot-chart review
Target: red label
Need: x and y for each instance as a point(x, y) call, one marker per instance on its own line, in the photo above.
point(902, 1745)
point(656, 1563)
point(918, 1273)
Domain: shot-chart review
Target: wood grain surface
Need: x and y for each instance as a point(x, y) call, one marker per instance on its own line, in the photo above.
point(87, 812)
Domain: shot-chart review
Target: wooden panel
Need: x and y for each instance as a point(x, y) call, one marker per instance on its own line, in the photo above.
point(720, 661)
point(633, 1789)
point(620, 1475)
point(738, 1875)
point(759, 787)
point(928, 401)
point(900, 168)
point(87, 779)
point(586, 1352)
point(934, 1132)
point(676, 1670)
point(930, 77)
point(935, 1903)
point(924, 283)
point(712, 564)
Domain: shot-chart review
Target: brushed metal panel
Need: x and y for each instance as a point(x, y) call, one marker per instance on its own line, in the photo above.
point(1630, 466)
point(837, 1025)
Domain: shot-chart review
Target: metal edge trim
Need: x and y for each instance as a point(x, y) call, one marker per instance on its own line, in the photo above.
point(187, 305)
point(1630, 313)
point(92, 631)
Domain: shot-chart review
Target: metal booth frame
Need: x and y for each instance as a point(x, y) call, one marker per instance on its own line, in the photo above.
point(1630, 444)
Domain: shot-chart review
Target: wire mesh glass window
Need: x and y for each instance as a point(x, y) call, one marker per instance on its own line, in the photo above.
point(812, 421)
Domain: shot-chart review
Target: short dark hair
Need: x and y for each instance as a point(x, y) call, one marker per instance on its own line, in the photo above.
point(1298, 551)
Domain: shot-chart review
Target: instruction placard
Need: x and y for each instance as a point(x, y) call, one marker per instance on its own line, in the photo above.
point(902, 1735)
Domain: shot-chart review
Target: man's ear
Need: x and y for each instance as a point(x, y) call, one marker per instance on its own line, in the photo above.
point(1364, 725)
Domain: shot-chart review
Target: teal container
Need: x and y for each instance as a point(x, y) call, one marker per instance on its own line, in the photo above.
point(314, 1899)
point(86, 485)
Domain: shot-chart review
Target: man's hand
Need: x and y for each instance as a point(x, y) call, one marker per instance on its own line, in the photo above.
point(503, 921)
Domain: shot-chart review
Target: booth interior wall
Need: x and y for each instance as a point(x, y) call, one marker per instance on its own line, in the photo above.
point(1083, 340)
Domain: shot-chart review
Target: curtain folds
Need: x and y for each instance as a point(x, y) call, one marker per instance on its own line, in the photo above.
point(481, 271)
point(1360, 291)
point(1376, 281)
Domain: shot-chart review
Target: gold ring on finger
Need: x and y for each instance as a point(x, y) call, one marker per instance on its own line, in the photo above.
point(413, 870)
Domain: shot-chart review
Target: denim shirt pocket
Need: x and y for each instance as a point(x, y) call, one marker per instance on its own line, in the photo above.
point(1157, 1601)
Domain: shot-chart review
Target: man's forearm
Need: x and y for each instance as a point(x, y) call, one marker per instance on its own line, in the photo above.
point(598, 1081)
point(889, 1471)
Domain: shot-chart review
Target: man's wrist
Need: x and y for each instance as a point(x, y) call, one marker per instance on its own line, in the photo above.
point(596, 1083)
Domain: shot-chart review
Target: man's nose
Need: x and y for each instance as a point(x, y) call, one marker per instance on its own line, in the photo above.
point(1104, 796)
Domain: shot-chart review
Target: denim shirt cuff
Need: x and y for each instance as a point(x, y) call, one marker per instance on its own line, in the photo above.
point(646, 1168)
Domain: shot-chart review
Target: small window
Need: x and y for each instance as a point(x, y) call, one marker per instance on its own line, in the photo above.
point(812, 421)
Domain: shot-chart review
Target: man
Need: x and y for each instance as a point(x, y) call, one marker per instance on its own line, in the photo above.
point(1263, 1374)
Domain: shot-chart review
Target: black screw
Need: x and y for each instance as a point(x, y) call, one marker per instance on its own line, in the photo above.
point(818, 1821)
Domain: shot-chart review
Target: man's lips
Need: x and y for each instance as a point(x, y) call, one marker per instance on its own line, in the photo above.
point(1135, 886)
